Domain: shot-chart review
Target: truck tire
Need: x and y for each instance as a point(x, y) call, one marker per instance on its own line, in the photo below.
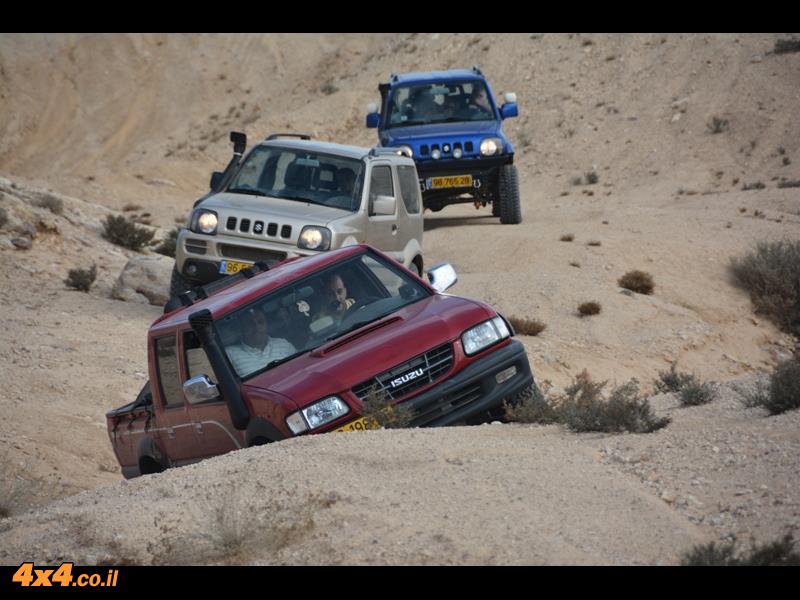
point(508, 192)
point(178, 283)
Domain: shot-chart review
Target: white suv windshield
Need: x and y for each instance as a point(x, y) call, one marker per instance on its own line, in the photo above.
point(309, 312)
point(295, 174)
point(439, 103)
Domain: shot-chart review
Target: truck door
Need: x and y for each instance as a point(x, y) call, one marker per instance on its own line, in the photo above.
point(175, 430)
point(412, 225)
point(211, 419)
point(383, 231)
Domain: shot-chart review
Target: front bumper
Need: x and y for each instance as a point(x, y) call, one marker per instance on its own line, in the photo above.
point(474, 389)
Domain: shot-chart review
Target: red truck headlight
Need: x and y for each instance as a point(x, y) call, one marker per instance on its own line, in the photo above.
point(317, 414)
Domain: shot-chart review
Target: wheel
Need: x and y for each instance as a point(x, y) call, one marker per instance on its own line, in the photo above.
point(178, 283)
point(496, 207)
point(508, 193)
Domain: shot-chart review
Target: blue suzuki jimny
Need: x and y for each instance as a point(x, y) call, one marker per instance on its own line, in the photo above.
point(449, 123)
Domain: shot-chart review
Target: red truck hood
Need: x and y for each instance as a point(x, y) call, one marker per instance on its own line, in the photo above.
point(343, 364)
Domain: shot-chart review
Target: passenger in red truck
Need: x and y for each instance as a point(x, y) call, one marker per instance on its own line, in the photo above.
point(256, 349)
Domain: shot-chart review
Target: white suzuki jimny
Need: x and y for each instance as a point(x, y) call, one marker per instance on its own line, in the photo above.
point(293, 196)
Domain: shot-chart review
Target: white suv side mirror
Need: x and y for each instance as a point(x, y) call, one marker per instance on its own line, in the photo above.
point(384, 205)
point(442, 276)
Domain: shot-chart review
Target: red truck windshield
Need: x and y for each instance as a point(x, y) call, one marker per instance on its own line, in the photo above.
point(305, 314)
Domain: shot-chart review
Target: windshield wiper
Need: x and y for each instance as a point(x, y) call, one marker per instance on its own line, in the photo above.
point(250, 191)
point(278, 361)
point(300, 198)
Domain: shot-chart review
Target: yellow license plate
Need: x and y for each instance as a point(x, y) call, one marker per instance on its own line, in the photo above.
point(450, 182)
point(358, 425)
point(229, 267)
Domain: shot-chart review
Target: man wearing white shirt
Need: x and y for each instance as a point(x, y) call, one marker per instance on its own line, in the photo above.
point(257, 349)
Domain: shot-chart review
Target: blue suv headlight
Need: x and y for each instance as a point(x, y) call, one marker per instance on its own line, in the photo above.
point(491, 146)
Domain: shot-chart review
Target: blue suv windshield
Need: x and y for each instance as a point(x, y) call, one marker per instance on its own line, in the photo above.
point(449, 102)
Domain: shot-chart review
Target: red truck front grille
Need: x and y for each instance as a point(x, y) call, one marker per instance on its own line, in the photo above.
point(402, 380)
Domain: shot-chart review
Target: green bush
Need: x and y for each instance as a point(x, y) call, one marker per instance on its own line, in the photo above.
point(169, 243)
point(122, 232)
point(81, 279)
point(696, 393)
point(771, 275)
point(781, 393)
point(778, 553)
point(717, 125)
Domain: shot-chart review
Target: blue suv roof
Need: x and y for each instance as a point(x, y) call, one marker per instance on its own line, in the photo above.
point(432, 76)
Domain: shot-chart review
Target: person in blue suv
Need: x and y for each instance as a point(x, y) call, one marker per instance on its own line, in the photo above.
point(450, 124)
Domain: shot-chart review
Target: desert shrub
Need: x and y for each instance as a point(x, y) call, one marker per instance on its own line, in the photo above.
point(591, 178)
point(169, 243)
point(81, 279)
point(594, 243)
point(778, 553)
point(582, 408)
point(577, 180)
point(696, 393)
point(379, 411)
point(125, 233)
point(672, 380)
point(771, 275)
point(637, 281)
point(530, 406)
point(589, 308)
point(717, 125)
point(787, 46)
point(792, 183)
point(567, 237)
point(3, 216)
point(575, 264)
point(527, 326)
point(780, 393)
point(758, 185)
point(329, 88)
point(52, 203)
point(132, 207)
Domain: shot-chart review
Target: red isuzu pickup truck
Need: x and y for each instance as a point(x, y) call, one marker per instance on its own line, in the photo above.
point(272, 353)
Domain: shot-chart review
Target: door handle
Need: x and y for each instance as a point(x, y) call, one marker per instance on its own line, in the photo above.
point(198, 427)
point(171, 433)
point(394, 229)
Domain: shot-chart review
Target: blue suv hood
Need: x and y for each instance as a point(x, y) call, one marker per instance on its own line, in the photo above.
point(417, 133)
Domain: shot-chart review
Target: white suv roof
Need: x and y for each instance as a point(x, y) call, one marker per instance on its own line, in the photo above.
point(326, 147)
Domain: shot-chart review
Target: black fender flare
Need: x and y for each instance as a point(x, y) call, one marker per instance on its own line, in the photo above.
point(148, 448)
point(258, 429)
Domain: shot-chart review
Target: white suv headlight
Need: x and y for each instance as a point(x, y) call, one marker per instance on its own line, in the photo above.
point(318, 414)
point(491, 146)
point(314, 238)
point(484, 335)
point(204, 221)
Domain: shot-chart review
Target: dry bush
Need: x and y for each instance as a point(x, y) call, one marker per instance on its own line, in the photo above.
point(778, 553)
point(582, 408)
point(578, 180)
point(567, 237)
point(530, 406)
point(329, 88)
point(81, 279)
point(527, 326)
point(672, 381)
point(787, 46)
point(589, 308)
point(594, 243)
point(3, 216)
point(771, 274)
point(575, 264)
point(125, 233)
point(52, 203)
point(131, 207)
point(379, 411)
point(591, 178)
point(717, 125)
point(780, 393)
point(637, 281)
point(696, 393)
point(792, 183)
point(169, 243)
point(758, 185)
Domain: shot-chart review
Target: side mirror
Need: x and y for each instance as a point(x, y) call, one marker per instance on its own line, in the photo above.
point(373, 116)
point(442, 276)
point(384, 205)
point(510, 98)
point(239, 140)
point(216, 179)
point(508, 110)
point(200, 389)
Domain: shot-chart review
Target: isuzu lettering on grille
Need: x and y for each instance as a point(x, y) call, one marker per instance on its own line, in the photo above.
point(407, 377)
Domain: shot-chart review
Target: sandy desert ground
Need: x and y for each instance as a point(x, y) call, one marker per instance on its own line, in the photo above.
point(104, 121)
